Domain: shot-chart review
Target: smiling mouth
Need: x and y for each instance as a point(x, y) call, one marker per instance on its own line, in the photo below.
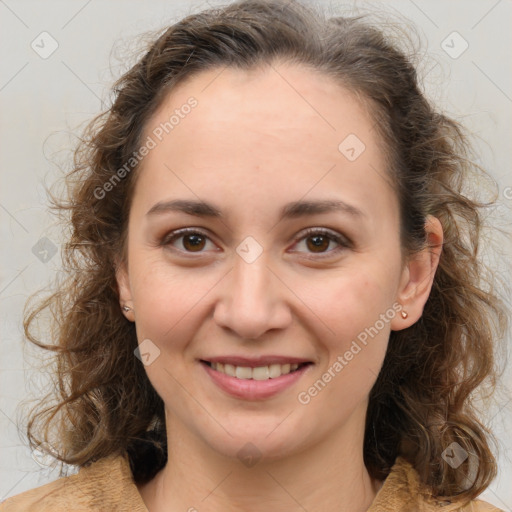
point(272, 371)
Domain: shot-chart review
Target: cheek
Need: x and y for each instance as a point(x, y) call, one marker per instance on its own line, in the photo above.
point(356, 294)
point(356, 310)
point(167, 299)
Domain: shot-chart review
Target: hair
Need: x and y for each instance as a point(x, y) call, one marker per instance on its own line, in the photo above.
point(103, 402)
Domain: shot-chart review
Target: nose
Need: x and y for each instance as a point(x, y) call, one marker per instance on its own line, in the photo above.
point(253, 300)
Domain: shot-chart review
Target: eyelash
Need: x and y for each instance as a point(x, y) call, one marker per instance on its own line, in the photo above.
point(342, 241)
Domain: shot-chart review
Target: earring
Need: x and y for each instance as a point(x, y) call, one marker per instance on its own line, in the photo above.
point(404, 314)
point(126, 308)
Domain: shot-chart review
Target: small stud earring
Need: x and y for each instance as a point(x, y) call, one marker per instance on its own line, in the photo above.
point(404, 314)
point(126, 308)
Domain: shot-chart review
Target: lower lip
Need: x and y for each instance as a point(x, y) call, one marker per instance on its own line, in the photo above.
point(250, 389)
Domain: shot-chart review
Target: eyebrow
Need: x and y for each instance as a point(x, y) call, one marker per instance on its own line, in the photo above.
point(289, 211)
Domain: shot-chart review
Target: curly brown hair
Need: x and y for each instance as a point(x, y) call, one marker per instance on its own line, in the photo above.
point(421, 402)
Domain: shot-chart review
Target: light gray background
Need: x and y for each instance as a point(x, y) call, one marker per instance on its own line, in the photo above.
point(43, 100)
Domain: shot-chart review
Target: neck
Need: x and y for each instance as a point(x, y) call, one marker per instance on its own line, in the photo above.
point(329, 477)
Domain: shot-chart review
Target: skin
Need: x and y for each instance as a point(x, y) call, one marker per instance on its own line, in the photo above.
point(255, 142)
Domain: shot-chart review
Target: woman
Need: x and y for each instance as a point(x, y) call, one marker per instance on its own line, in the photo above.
point(274, 298)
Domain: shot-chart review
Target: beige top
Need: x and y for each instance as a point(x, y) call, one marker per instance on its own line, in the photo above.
point(107, 485)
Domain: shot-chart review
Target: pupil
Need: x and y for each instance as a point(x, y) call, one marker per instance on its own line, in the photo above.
point(319, 242)
point(193, 241)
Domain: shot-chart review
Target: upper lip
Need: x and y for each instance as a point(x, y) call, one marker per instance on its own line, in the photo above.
point(253, 362)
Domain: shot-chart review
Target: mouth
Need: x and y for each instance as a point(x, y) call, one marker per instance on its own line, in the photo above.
point(264, 372)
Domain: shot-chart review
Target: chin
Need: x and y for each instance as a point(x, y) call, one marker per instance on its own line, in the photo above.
point(251, 442)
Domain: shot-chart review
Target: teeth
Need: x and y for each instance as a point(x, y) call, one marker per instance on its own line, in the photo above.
point(243, 372)
point(259, 373)
point(228, 369)
point(274, 371)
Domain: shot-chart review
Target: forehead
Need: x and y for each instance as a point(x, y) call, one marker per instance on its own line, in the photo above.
point(263, 126)
point(269, 100)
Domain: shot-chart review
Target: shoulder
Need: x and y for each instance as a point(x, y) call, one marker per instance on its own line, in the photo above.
point(402, 491)
point(481, 506)
point(106, 484)
point(54, 495)
point(473, 506)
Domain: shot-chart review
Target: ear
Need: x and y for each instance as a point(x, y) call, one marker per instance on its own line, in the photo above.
point(418, 276)
point(125, 294)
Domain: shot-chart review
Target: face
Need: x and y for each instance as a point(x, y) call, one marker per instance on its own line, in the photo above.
point(269, 310)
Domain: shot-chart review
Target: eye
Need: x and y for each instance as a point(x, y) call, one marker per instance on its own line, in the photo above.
point(319, 240)
point(190, 240)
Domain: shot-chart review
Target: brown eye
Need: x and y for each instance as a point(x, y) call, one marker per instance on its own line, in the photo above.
point(187, 241)
point(194, 242)
point(319, 243)
point(322, 242)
